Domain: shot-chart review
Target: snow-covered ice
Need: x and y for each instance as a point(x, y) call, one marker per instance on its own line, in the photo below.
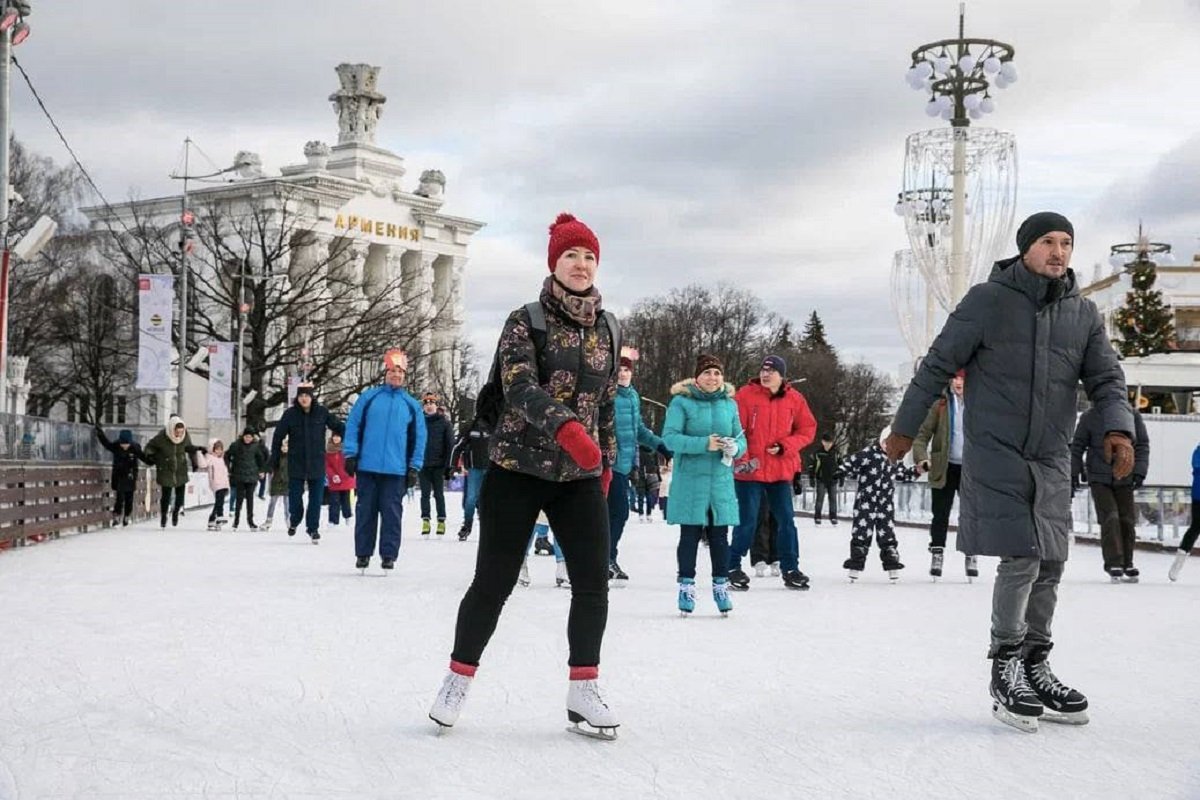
point(143, 663)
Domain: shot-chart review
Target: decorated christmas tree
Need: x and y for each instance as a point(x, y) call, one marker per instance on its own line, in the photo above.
point(1146, 325)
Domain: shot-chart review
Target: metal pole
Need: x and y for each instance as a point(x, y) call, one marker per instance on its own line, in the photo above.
point(5, 126)
point(958, 272)
point(237, 396)
point(183, 279)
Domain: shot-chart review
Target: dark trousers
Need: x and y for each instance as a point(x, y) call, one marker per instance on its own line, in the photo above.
point(1189, 537)
point(380, 503)
point(689, 543)
point(779, 500)
point(763, 549)
point(123, 502)
point(508, 508)
point(245, 495)
point(165, 504)
point(339, 506)
point(824, 489)
point(943, 502)
point(618, 512)
point(431, 481)
point(1116, 514)
point(218, 504)
point(296, 512)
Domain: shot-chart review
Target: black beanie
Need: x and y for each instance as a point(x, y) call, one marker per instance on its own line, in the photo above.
point(1039, 225)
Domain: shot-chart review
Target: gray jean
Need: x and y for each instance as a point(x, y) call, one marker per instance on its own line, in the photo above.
point(1023, 601)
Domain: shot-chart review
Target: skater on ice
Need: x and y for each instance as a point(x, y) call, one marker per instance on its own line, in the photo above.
point(823, 472)
point(1026, 338)
point(214, 465)
point(875, 506)
point(171, 452)
point(384, 448)
point(126, 453)
point(339, 483)
point(246, 463)
point(439, 444)
point(552, 449)
point(277, 486)
point(778, 426)
point(704, 432)
point(1113, 497)
point(471, 453)
point(938, 450)
point(1190, 535)
point(303, 425)
point(631, 432)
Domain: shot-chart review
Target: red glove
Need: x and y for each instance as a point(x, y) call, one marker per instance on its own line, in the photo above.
point(573, 438)
point(605, 480)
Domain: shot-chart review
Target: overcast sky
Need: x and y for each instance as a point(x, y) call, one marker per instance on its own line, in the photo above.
point(756, 143)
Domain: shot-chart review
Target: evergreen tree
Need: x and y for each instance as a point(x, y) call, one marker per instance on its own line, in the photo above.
point(814, 340)
point(1145, 324)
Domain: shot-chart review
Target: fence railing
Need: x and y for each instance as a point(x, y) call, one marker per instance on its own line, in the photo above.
point(24, 438)
point(1163, 512)
point(39, 501)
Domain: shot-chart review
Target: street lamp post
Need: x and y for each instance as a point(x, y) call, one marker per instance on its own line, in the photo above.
point(13, 31)
point(959, 75)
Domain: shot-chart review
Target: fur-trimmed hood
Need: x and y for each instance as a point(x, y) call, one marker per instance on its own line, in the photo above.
point(689, 388)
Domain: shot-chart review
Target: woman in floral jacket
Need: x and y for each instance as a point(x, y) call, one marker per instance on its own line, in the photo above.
point(553, 449)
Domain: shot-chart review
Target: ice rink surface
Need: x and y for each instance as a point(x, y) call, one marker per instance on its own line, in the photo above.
point(143, 663)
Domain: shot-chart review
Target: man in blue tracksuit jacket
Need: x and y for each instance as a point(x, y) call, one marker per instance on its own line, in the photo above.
point(631, 432)
point(385, 449)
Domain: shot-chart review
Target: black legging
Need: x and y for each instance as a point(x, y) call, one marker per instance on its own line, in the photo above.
point(164, 504)
point(123, 503)
point(509, 503)
point(1189, 537)
point(245, 495)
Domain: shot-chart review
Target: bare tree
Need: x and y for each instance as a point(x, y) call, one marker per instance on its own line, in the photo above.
point(315, 307)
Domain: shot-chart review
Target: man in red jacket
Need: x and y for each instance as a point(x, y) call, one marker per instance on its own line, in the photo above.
point(778, 426)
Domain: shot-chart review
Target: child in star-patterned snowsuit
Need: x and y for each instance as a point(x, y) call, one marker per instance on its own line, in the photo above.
point(874, 505)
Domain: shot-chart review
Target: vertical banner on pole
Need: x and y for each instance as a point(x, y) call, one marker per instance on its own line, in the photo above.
point(293, 383)
point(156, 295)
point(220, 369)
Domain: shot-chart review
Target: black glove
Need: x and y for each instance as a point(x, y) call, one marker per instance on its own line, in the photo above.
point(665, 452)
point(1138, 480)
point(448, 474)
point(414, 477)
point(351, 465)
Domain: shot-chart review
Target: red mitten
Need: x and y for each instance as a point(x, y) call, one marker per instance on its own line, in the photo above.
point(573, 438)
point(605, 480)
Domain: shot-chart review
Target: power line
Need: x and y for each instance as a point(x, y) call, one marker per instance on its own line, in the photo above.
point(75, 158)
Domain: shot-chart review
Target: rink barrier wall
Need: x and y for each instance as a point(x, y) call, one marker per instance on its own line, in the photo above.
point(1164, 512)
point(44, 501)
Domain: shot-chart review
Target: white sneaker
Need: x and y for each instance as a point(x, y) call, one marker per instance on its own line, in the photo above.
point(1177, 565)
point(585, 703)
point(449, 701)
point(760, 569)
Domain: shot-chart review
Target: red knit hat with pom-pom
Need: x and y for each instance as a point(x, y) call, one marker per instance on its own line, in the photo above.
point(568, 232)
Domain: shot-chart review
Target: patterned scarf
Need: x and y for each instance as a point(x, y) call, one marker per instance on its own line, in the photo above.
point(582, 308)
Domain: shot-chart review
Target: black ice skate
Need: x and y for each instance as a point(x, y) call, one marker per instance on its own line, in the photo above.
point(361, 564)
point(464, 532)
point(616, 575)
point(795, 579)
point(1115, 574)
point(388, 564)
point(1013, 700)
point(542, 546)
point(891, 563)
point(854, 568)
point(738, 580)
point(1062, 703)
point(972, 564)
point(936, 559)
point(1131, 575)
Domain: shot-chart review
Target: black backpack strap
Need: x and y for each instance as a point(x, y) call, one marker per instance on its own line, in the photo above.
point(614, 331)
point(537, 333)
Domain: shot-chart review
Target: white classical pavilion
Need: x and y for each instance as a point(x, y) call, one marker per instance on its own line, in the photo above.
point(356, 203)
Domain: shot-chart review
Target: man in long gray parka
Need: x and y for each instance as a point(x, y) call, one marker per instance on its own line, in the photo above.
point(1026, 339)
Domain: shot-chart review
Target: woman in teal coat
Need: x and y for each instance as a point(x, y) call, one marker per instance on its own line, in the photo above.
point(705, 434)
